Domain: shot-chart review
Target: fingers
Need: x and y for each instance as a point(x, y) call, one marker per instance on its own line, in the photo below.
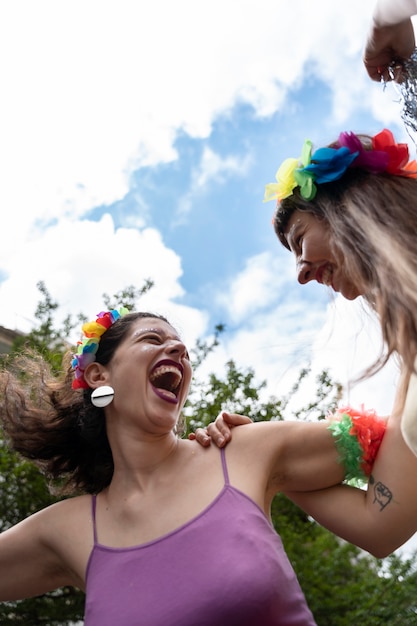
point(201, 436)
point(219, 431)
point(232, 419)
point(378, 73)
point(386, 48)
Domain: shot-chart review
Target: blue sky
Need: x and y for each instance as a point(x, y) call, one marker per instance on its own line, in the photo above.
point(136, 141)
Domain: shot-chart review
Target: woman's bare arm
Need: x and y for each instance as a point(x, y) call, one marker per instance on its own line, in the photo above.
point(381, 518)
point(32, 554)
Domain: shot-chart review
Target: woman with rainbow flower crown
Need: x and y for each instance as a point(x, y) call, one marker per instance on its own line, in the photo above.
point(348, 213)
point(360, 196)
point(147, 500)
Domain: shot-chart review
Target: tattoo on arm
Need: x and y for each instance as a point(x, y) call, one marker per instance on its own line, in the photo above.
point(382, 495)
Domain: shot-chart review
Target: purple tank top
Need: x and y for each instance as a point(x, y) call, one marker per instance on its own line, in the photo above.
point(225, 567)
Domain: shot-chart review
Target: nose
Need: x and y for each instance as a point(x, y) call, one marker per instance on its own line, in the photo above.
point(176, 346)
point(305, 272)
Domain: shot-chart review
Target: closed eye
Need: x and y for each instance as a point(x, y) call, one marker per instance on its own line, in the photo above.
point(151, 338)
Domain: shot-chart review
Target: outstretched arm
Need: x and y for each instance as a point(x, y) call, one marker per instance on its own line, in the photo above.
point(307, 456)
point(391, 36)
point(384, 516)
point(38, 554)
point(381, 518)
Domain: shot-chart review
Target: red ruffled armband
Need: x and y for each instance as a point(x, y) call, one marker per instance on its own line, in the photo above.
point(358, 435)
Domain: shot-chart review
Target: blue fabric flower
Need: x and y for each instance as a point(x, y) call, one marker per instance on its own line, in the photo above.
point(328, 164)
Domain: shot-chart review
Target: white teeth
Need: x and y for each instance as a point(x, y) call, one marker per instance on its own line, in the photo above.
point(168, 376)
point(327, 276)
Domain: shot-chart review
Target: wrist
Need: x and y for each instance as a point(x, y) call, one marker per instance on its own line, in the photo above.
point(389, 13)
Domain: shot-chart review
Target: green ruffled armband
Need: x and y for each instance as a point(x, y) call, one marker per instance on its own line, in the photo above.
point(358, 435)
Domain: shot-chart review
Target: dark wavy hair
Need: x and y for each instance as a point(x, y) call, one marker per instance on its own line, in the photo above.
point(55, 426)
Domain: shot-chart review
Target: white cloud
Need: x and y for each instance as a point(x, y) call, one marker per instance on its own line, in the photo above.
point(347, 344)
point(93, 90)
point(214, 167)
point(211, 168)
point(79, 261)
point(278, 331)
point(256, 286)
point(272, 328)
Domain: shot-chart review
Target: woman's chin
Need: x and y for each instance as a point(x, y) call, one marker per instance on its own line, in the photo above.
point(347, 290)
point(350, 293)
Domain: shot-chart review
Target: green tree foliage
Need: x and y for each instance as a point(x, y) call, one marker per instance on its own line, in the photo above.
point(45, 337)
point(23, 490)
point(344, 586)
point(52, 340)
point(238, 392)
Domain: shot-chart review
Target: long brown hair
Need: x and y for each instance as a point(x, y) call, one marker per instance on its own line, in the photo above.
point(58, 428)
point(372, 222)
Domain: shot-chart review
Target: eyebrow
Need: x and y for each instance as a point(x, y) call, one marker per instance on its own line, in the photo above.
point(158, 331)
point(292, 232)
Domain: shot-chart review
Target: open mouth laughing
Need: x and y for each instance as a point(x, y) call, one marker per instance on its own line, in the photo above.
point(324, 275)
point(166, 378)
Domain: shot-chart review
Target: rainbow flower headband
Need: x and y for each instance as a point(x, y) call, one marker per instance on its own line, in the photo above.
point(88, 346)
point(328, 164)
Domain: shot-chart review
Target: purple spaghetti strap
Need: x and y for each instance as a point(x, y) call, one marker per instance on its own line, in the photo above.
point(224, 465)
point(93, 516)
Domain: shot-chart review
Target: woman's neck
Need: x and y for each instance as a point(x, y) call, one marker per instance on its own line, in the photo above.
point(139, 461)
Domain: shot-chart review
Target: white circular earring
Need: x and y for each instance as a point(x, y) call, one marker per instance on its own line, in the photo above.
point(102, 396)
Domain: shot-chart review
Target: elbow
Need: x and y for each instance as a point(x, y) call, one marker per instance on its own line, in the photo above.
point(380, 553)
point(381, 550)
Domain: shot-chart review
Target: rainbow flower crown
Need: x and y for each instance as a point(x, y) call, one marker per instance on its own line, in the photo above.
point(88, 346)
point(328, 164)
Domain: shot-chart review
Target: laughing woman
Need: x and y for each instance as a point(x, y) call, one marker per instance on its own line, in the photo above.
point(348, 213)
point(147, 500)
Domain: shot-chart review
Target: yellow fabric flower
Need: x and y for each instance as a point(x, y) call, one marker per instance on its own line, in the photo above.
point(285, 181)
point(93, 329)
point(88, 346)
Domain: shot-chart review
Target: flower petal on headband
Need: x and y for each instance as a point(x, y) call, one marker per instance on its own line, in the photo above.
point(79, 382)
point(85, 359)
point(305, 180)
point(306, 153)
point(410, 169)
point(374, 161)
point(286, 181)
point(87, 348)
point(93, 329)
point(106, 319)
point(328, 164)
point(397, 154)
